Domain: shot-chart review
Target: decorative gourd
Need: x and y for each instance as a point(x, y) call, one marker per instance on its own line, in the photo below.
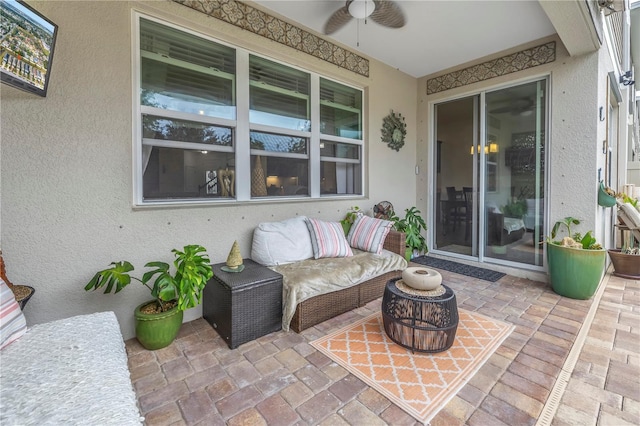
point(421, 278)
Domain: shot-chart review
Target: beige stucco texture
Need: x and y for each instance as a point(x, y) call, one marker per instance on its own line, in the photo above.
point(67, 169)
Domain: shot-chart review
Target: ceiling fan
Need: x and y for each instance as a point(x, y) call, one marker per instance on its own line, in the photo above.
point(385, 13)
point(520, 106)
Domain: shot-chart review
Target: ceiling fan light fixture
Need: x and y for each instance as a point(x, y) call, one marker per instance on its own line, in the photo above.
point(361, 9)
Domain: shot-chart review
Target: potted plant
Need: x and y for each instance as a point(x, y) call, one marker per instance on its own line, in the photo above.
point(516, 209)
point(158, 321)
point(412, 225)
point(626, 261)
point(576, 263)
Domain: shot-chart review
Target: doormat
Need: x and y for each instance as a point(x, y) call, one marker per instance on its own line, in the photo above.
point(459, 268)
point(419, 383)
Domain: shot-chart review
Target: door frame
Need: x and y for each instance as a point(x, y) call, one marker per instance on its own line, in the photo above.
point(431, 181)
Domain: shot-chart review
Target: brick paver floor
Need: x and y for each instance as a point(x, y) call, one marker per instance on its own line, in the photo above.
point(604, 388)
point(280, 379)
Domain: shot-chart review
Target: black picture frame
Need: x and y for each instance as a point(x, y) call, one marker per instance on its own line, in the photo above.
point(29, 39)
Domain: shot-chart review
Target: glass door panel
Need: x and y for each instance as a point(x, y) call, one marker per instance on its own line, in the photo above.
point(514, 183)
point(455, 179)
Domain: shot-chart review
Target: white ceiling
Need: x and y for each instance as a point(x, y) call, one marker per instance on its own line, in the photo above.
point(438, 34)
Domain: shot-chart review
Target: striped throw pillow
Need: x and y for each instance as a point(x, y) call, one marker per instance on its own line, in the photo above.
point(327, 239)
point(368, 233)
point(12, 322)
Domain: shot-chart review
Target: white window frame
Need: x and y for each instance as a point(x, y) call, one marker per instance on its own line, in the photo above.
point(241, 128)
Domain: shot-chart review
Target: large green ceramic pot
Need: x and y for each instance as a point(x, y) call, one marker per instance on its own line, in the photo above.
point(575, 273)
point(156, 331)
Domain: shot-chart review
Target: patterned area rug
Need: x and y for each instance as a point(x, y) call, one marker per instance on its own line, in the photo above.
point(459, 268)
point(419, 383)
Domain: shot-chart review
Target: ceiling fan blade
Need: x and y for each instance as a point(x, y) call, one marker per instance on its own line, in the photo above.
point(501, 110)
point(338, 20)
point(388, 14)
point(514, 106)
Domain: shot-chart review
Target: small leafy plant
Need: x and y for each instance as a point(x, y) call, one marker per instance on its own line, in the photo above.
point(184, 288)
point(575, 240)
point(516, 209)
point(412, 225)
point(349, 218)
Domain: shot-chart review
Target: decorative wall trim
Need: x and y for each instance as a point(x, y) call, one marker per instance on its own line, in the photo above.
point(528, 58)
point(258, 22)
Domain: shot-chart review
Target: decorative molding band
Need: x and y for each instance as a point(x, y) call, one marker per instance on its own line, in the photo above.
point(258, 22)
point(518, 61)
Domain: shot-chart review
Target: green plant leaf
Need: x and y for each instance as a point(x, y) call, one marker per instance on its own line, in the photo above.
point(117, 275)
point(588, 240)
point(193, 271)
point(164, 286)
point(566, 222)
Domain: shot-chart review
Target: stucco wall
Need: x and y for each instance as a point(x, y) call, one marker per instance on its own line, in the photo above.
point(575, 150)
point(66, 164)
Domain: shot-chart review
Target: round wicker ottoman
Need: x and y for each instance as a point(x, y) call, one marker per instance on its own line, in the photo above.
point(420, 323)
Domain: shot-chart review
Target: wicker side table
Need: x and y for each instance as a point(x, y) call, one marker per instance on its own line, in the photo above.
point(245, 305)
point(420, 323)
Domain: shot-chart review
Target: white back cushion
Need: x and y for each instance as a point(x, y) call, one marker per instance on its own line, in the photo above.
point(278, 243)
point(632, 214)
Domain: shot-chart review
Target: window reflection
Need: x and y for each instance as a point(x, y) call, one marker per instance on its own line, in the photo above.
point(160, 128)
point(282, 176)
point(278, 143)
point(171, 173)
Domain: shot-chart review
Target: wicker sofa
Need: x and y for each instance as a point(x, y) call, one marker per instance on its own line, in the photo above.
point(317, 289)
point(503, 230)
point(325, 306)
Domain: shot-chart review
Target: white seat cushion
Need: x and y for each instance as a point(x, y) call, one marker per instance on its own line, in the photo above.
point(71, 371)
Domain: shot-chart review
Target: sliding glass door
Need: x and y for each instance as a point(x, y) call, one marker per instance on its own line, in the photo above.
point(515, 173)
point(490, 175)
point(456, 176)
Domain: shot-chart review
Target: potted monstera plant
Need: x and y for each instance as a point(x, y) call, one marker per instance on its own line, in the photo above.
point(158, 321)
point(412, 225)
point(576, 263)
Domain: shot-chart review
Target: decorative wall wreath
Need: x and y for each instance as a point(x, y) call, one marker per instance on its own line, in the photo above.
point(394, 129)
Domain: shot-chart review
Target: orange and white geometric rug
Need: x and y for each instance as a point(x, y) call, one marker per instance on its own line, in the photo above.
point(419, 383)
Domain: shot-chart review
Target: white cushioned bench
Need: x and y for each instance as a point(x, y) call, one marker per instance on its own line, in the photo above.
point(68, 372)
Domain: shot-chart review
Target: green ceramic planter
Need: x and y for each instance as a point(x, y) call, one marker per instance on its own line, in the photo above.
point(156, 331)
point(575, 273)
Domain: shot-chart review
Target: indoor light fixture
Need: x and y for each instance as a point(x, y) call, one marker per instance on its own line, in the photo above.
point(361, 9)
point(492, 148)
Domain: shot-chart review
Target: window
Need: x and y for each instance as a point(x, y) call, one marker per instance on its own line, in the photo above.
point(340, 147)
point(217, 123)
point(187, 105)
point(280, 102)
